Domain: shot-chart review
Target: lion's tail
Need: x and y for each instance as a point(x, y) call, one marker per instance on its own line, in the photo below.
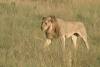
point(91, 41)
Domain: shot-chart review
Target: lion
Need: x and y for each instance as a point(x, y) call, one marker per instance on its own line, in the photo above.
point(58, 28)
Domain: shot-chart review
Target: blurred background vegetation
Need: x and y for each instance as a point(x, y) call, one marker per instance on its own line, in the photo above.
point(21, 39)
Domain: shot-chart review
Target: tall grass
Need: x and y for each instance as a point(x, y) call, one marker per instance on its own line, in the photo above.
point(21, 39)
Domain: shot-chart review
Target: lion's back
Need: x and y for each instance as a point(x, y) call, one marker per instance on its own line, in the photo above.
point(68, 26)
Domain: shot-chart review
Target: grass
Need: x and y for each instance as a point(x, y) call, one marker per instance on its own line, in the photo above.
point(21, 39)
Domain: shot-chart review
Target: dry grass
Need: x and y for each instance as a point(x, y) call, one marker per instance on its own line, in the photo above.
point(21, 39)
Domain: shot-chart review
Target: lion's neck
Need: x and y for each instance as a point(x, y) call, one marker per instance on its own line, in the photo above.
point(53, 31)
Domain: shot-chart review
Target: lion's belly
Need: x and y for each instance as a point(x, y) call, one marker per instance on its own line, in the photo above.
point(69, 33)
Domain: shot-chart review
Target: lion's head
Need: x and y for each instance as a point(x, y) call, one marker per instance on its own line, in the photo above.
point(50, 26)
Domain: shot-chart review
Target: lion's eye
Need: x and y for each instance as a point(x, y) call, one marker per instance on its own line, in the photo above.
point(45, 23)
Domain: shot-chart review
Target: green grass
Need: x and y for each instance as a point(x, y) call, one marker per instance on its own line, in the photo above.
point(21, 38)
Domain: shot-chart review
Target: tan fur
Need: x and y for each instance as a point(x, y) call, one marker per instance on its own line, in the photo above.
point(58, 28)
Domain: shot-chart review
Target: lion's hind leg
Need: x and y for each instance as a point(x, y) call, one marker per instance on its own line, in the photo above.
point(85, 40)
point(84, 37)
point(74, 39)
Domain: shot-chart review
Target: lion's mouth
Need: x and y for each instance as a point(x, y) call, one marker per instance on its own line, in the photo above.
point(47, 29)
point(43, 29)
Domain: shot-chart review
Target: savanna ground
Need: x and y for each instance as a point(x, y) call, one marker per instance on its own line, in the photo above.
point(21, 39)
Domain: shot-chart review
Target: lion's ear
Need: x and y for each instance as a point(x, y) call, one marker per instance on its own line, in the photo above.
point(53, 19)
point(43, 18)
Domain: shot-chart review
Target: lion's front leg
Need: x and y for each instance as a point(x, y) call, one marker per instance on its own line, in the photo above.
point(63, 43)
point(48, 41)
